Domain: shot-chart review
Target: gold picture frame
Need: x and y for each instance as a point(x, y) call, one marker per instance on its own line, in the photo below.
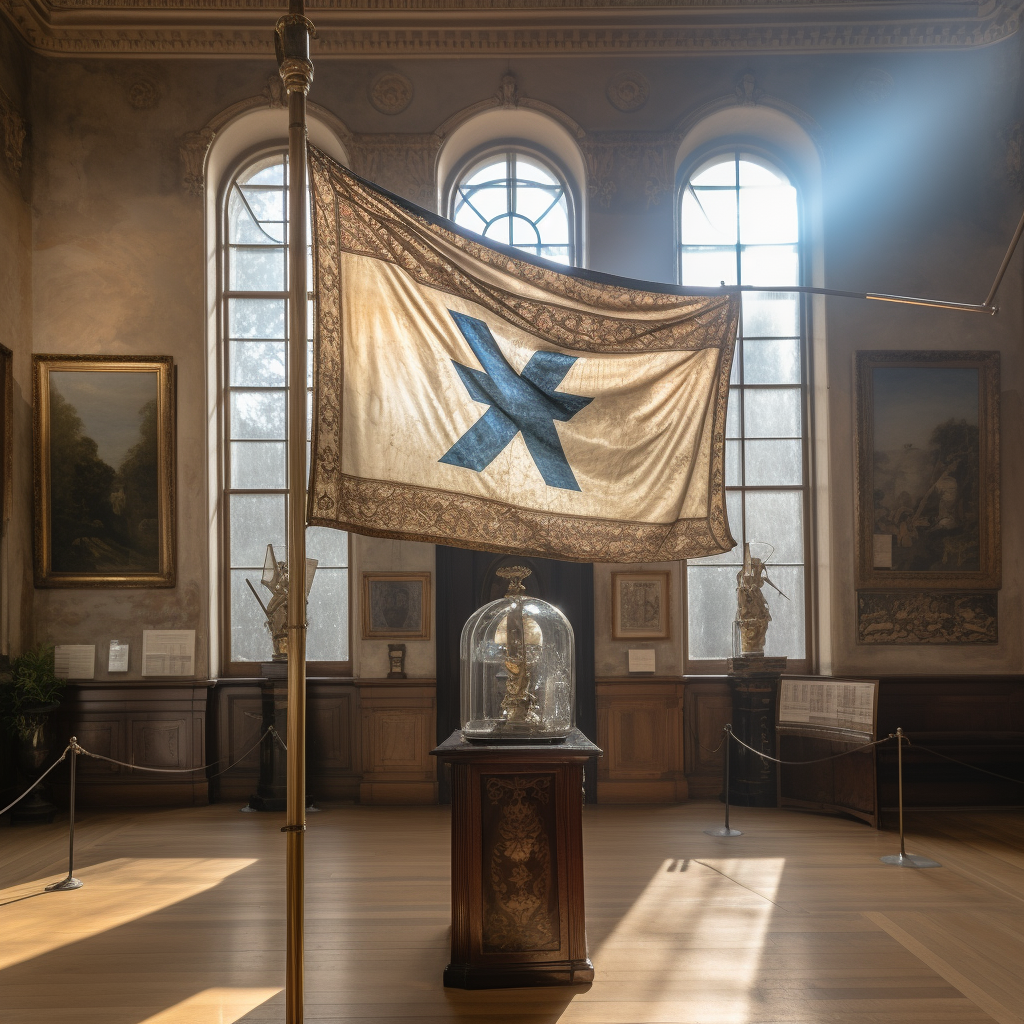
point(927, 464)
point(104, 438)
point(396, 605)
point(641, 605)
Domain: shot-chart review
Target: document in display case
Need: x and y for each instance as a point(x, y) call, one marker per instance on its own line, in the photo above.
point(819, 717)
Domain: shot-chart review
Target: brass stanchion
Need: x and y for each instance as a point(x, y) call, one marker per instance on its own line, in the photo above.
point(904, 859)
point(70, 882)
point(725, 830)
point(292, 44)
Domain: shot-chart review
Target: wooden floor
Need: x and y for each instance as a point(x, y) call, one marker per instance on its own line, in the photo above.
point(181, 921)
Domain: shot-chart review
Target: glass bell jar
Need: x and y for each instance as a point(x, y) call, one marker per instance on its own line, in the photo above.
point(518, 669)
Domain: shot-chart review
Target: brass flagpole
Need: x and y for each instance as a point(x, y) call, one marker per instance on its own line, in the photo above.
point(292, 44)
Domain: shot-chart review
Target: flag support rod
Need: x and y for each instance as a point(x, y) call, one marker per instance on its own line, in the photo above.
point(967, 307)
point(907, 300)
point(292, 45)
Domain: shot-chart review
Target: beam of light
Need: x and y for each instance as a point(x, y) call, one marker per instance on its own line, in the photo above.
point(213, 1006)
point(689, 947)
point(115, 893)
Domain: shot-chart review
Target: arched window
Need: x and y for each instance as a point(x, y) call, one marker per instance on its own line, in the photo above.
point(254, 290)
point(517, 199)
point(740, 224)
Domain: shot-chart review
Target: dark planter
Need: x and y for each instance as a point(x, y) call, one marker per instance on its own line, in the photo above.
point(34, 755)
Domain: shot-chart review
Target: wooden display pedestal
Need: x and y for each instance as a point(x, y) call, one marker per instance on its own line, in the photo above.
point(517, 863)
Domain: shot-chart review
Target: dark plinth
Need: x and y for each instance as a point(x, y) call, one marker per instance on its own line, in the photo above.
point(272, 788)
point(517, 863)
point(755, 685)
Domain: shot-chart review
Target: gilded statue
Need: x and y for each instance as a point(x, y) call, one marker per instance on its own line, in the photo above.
point(519, 703)
point(275, 579)
point(752, 614)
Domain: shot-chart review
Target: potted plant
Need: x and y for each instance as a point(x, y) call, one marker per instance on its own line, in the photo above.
point(30, 691)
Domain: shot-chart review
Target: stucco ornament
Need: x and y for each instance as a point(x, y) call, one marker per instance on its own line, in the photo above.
point(747, 91)
point(1013, 139)
point(508, 92)
point(628, 91)
point(391, 93)
point(193, 147)
point(873, 86)
point(12, 131)
point(142, 93)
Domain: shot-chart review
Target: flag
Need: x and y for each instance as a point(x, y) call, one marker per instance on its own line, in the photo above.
point(467, 394)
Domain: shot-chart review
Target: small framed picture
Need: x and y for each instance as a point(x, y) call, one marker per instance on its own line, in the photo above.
point(396, 605)
point(640, 605)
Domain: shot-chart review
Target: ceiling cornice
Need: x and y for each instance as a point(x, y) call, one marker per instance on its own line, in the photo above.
point(450, 28)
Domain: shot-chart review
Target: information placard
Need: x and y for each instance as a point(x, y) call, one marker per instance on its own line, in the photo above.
point(847, 704)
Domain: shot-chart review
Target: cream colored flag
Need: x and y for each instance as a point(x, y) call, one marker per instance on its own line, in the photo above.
point(465, 394)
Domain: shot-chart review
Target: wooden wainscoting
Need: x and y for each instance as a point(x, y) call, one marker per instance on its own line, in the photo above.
point(154, 725)
point(398, 723)
point(978, 720)
point(707, 708)
point(368, 739)
point(640, 730)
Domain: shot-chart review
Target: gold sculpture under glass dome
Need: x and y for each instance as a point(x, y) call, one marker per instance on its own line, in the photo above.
point(518, 668)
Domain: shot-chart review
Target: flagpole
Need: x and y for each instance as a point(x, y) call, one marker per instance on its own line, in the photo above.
point(292, 45)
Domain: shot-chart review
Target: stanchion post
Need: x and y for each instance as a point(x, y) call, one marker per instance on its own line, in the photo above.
point(904, 859)
point(725, 830)
point(70, 882)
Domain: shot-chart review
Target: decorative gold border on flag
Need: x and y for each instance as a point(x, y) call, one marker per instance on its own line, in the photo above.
point(571, 309)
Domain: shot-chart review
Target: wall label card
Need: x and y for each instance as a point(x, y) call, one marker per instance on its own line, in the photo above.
point(168, 652)
point(118, 659)
point(641, 661)
point(75, 661)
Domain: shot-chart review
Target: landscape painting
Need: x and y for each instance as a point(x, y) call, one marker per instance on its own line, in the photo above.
point(104, 455)
point(928, 466)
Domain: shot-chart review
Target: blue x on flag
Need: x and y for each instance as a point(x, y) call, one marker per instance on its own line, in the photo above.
point(525, 403)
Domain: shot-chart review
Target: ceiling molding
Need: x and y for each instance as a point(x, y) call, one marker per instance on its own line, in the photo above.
point(449, 28)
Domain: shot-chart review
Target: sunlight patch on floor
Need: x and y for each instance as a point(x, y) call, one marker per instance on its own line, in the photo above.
point(690, 946)
point(115, 892)
point(213, 1006)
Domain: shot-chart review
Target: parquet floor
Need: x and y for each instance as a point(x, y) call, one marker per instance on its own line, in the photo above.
point(181, 921)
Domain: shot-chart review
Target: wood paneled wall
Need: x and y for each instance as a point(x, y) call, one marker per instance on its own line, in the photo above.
point(370, 739)
point(659, 737)
point(162, 725)
point(367, 740)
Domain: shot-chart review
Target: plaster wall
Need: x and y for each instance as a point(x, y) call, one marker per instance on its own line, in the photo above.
point(916, 200)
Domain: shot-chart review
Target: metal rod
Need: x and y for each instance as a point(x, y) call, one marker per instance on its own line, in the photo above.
point(293, 35)
point(728, 754)
point(899, 761)
point(70, 882)
point(1006, 262)
point(909, 300)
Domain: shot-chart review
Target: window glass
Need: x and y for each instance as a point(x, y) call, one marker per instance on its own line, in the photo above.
point(515, 199)
point(740, 224)
point(255, 446)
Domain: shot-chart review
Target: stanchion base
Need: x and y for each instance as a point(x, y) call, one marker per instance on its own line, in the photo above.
point(909, 860)
point(65, 884)
point(722, 831)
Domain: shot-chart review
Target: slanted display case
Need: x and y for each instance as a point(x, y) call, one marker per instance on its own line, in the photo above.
point(819, 717)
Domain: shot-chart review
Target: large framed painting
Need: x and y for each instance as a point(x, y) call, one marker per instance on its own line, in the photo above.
point(396, 605)
point(928, 471)
point(104, 437)
point(640, 605)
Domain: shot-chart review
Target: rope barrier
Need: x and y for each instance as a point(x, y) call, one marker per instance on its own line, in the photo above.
point(817, 760)
point(179, 771)
point(40, 779)
point(917, 746)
